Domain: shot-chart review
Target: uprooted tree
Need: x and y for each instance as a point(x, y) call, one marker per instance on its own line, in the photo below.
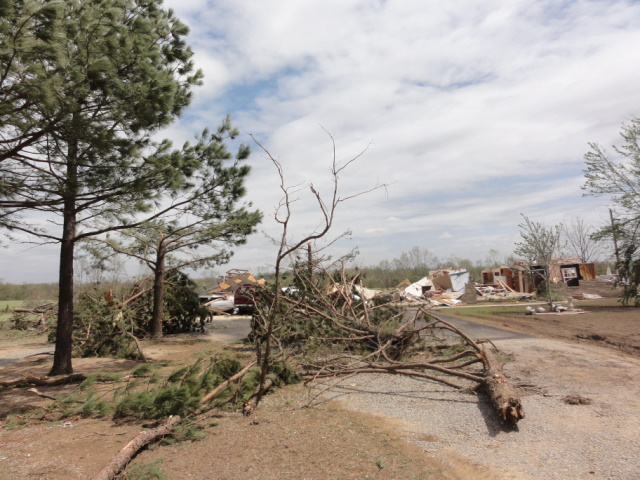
point(328, 327)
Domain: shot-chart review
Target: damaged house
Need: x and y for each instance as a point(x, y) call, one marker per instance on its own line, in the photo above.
point(221, 298)
point(440, 287)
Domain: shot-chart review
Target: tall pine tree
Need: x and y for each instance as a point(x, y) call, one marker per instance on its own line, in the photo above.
point(83, 87)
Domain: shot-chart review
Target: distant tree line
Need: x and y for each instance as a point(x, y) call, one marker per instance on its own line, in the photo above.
point(28, 291)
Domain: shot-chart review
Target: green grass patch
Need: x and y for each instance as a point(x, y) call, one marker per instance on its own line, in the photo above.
point(6, 310)
point(9, 305)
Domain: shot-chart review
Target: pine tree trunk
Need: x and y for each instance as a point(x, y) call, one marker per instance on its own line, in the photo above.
point(158, 292)
point(64, 330)
point(503, 395)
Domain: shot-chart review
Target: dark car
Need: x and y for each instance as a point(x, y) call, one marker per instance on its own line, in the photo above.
point(245, 298)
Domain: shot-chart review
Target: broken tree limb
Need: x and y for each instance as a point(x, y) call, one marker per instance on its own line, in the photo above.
point(502, 394)
point(125, 455)
point(224, 384)
point(249, 406)
point(40, 394)
point(138, 345)
point(45, 381)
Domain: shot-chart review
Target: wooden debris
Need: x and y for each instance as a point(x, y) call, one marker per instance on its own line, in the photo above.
point(40, 394)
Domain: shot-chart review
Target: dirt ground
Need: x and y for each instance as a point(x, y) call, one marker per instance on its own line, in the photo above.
point(283, 440)
point(603, 322)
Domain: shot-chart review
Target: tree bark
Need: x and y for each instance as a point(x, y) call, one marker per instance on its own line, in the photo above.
point(158, 291)
point(125, 455)
point(64, 330)
point(502, 394)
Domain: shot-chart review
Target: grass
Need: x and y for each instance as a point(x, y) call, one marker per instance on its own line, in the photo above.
point(6, 308)
point(6, 333)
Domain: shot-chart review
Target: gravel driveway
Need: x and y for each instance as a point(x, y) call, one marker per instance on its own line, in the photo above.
point(555, 441)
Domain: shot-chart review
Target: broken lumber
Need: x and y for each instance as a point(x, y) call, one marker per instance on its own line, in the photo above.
point(505, 286)
point(125, 455)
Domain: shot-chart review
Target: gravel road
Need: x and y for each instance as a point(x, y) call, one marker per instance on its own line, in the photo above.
point(9, 355)
point(556, 441)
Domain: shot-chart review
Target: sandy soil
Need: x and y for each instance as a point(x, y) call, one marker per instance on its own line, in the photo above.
point(354, 438)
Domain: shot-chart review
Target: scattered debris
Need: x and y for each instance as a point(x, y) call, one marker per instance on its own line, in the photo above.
point(222, 298)
point(593, 336)
point(577, 400)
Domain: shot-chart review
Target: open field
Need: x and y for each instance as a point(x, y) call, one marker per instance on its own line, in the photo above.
point(7, 306)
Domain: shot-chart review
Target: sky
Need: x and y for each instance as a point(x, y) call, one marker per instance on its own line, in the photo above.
point(470, 112)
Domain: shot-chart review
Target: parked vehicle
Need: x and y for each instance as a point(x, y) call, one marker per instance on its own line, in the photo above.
point(245, 298)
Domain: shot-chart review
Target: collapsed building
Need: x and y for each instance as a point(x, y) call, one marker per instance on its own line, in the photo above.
point(524, 278)
point(518, 281)
point(440, 287)
point(222, 297)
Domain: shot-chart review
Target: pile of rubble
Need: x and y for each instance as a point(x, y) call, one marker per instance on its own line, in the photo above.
point(449, 287)
point(227, 296)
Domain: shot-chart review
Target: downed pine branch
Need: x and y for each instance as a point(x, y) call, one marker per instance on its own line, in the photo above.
point(224, 384)
point(384, 359)
point(115, 466)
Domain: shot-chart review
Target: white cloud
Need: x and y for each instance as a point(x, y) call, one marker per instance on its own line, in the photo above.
point(476, 110)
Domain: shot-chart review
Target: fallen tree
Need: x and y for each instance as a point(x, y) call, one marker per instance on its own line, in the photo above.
point(36, 317)
point(346, 335)
point(44, 381)
point(329, 326)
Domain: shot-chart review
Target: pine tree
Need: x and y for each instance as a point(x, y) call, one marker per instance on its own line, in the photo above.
point(83, 87)
point(202, 221)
